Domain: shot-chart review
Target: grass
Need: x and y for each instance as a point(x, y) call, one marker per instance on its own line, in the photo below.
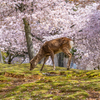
point(17, 82)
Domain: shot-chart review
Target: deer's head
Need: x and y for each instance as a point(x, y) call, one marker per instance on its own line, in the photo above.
point(32, 65)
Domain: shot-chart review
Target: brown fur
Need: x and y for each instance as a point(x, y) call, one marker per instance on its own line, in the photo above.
point(50, 48)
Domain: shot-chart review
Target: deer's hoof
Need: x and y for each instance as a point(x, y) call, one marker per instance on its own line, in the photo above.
point(40, 69)
point(68, 68)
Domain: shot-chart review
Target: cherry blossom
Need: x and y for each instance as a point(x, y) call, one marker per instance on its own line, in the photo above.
point(51, 19)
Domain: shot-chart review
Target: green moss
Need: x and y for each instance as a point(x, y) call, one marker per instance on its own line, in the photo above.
point(3, 86)
point(61, 84)
point(58, 98)
point(4, 79)
point(48, 95)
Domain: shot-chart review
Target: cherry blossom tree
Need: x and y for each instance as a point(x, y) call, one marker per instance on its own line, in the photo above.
point(49, 19)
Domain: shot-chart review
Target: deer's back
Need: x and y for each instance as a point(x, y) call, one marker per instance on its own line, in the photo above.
point(56, 45)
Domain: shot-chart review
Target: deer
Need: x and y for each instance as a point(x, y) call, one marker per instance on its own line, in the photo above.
point(52, 47)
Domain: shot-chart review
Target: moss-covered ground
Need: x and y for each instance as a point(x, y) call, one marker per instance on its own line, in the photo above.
point(17, 82)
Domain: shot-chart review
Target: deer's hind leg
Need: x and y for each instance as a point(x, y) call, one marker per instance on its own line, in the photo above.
point(67, 52)
point(45, 59)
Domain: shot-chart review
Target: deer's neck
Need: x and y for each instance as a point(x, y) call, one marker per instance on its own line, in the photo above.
point(38, 57)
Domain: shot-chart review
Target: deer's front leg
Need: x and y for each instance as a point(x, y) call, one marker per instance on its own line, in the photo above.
point(52, 57)
point(45, 59)
point(67, 52)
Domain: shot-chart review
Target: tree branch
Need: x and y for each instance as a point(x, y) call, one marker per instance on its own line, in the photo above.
point(37, 37)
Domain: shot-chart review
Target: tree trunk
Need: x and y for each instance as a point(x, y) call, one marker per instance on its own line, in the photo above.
point(56, 60)
point(9, 59)
point(1, 59)
point(60, 59)
point(28, 38)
